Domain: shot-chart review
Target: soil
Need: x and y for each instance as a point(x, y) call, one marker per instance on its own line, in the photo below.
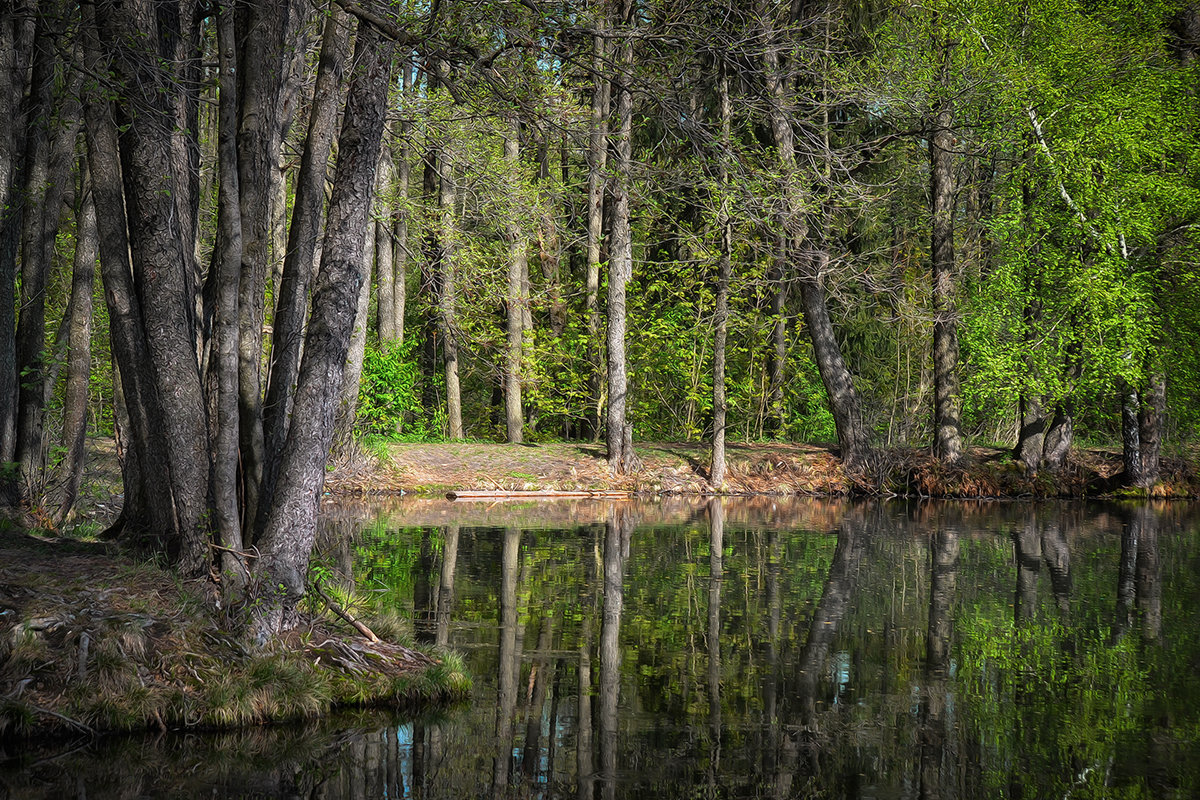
point(774, 468)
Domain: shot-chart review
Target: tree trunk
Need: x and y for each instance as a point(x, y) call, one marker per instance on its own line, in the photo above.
point(161, 255)
point(853, 438)
point(724, 269)
point(947, 444)
point(263, 29)
point(400, 224)
point(147, 518)
point(308, 212)
point(1031, 437)
point(446, 280)
point(227, 261)
point(352, 376)
point(597, 157)
point(385, 277)
point(1131, 444)
point(791, 226)
point(16, 52)
point(518, 254)
point(620, 268)
point(288, 538)
point(1151, 417)
point(79, 360)
point(1059, 438)
point(49, 155)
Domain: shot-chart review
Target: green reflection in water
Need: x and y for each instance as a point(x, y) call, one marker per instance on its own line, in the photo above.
point(764, 649)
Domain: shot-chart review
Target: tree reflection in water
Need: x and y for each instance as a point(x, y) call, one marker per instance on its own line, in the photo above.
point(720, 649)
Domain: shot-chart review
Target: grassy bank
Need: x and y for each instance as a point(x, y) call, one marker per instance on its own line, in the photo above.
point(93, 641)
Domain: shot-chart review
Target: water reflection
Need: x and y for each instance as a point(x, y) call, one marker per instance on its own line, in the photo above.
point(768, 649)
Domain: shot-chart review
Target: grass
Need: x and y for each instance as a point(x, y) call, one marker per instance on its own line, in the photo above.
point(102, 643)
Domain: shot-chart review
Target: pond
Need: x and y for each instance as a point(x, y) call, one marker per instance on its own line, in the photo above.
point(754, 648)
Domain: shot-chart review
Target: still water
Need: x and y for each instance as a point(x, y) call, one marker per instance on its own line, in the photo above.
point(741, 649)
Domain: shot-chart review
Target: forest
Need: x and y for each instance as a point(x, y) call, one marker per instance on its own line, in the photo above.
point(876, 223)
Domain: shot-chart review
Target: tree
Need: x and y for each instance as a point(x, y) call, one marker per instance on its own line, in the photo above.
point(287, 539)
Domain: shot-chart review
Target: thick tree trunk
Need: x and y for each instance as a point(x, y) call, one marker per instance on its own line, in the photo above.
point(1151, 417)
point(853, 438)
point(1031, 437)
point(308, 212)
point(343, 433)
point(49, 155)
point(161, 257)
point(1131, 440)
point(79, 349)
point(263, 28)
point(147, 516)
point(1059, 438)
point(947, 444)
point(16, 52)
point(515, 299)
point(227, 261)
point(288, 537)
point(620, 270)
point(597, 157)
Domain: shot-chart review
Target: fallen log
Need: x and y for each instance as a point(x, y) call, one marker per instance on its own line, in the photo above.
point(537, 494)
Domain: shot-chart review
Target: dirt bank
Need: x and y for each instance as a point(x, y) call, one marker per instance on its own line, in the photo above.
point(770, 468)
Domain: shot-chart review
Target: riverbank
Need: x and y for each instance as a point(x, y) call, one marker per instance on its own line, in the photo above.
point(753, 469)
point(92, 640)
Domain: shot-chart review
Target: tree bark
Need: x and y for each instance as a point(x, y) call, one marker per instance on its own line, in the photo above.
point(343, 433)
point(79, 344)
point(791, 227)
point(1059, 438)
point(446, 280)
point(1031, 437)
point(227, 261)
point(264, 30)
point(147, 517)
point(49, 155)
point(853, 437)
point(620, 268)
point(597, 157)
point(161, 254)
point(308, 213)
point(946, 407)
point(288, 538)
point(724, 270)
point(385, 276)
point(400, 223)
point(16, 52)
point(515, 299)
point(1151, 416)
point(1131, 440)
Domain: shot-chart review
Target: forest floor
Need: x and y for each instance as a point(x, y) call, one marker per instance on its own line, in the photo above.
point(753, 469)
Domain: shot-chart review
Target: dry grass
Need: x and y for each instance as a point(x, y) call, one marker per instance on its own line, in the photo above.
point(91, 641)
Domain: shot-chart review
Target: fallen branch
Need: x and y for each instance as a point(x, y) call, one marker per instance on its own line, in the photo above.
point(341, 612)
point(505, 494)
